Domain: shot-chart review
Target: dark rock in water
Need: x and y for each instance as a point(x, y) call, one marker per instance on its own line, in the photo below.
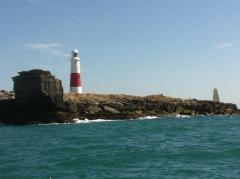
point(38, 89)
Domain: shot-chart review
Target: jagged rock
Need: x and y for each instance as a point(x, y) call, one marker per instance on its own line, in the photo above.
point(187, 112)
point(179, 110)
point(93, 109)
point(139, 112)
point(38, 90)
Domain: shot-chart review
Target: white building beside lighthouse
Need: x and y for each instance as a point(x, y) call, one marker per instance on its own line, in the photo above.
point(75, 77)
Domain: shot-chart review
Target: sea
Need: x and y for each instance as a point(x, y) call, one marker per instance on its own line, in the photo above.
point(167, 147)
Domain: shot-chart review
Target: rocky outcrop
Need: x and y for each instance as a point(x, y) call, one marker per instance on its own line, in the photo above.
point(93, 106)
point(38, 90)
point(39, 98)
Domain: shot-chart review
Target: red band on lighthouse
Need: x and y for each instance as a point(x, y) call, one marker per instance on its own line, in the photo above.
point(75, 80)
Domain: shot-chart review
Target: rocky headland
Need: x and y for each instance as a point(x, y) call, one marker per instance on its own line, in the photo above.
point(38, 98)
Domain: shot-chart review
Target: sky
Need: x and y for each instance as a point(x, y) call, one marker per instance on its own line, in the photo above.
point(139, 47)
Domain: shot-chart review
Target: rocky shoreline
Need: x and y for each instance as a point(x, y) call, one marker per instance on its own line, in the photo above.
point(38, 98)
point(126, 106)
point(100, 106)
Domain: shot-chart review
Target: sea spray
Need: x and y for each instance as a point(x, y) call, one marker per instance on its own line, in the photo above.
point(78, 121)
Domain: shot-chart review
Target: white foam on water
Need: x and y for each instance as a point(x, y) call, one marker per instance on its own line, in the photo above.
point(148, 117)
point(86, 121)
point(55, 123)
point(78, 121)
point(182, 116)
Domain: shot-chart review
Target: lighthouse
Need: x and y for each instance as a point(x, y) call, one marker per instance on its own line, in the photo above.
point(75, 77)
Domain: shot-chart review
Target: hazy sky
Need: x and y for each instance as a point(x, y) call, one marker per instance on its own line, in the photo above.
point(180, 48)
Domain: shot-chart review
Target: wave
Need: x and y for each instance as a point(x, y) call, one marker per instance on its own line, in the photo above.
point(78, 121)
point(182, 116)
point(86, 121)
point(148, 117)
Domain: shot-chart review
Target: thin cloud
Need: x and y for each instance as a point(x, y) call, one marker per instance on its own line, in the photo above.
point(43, 45)
point(51, 48)
point(227, 45)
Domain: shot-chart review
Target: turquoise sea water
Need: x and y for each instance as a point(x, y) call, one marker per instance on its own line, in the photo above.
point(195, 147)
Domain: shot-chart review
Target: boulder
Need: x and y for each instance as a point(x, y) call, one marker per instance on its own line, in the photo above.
point(93, 109)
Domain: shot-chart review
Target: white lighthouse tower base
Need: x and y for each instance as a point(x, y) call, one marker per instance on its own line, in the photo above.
point(75, 89)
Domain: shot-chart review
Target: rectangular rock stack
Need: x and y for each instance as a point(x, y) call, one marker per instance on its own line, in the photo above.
point(38, 89)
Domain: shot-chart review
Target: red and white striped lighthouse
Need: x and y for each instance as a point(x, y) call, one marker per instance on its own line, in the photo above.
point(75, 78)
